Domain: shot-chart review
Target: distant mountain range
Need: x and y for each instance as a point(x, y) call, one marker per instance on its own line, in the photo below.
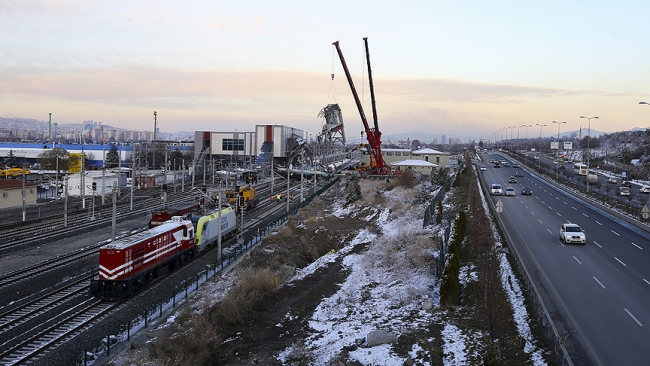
point(423, 137)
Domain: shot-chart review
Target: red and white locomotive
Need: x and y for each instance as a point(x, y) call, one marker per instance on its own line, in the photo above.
point(129, 264)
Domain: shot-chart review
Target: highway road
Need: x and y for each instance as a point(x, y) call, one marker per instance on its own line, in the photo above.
point(636, 199)
point(598, 292)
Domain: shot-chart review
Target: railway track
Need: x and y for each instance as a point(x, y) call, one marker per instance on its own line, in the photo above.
point(72, 322)
point(38, 232)
point(70, 309)
point(13, 318)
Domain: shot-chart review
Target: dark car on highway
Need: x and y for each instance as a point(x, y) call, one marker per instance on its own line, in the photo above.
point(527, 190)
point(512, 180)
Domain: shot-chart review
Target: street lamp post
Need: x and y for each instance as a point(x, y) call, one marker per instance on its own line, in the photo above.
point(557, 155)
point(526, 146)
point(588, 141)
point(539, 158)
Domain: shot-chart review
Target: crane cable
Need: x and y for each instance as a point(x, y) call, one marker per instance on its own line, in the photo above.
point(332, 83)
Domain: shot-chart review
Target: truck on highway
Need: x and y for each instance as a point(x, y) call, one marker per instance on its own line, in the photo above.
point(592, 178)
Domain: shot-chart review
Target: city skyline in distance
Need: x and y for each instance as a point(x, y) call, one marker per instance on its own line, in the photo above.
point(437, 67)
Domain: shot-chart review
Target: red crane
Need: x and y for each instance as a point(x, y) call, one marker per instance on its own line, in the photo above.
point(373, 135)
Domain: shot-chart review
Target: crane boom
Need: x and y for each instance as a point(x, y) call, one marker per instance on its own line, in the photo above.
point(373, 135)
point(376, 132)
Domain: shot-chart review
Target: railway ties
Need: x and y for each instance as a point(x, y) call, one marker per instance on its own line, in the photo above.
point(41, 305)
point(39, 269)
point(78, 318)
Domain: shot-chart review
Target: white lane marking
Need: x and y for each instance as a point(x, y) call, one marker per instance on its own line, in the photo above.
point(601, 285)
point(646, 281)
point(619, 261)
point(558, 214)
point(637, 246)
point(532, 213)
point(558, 198)
point(543, 202)
point(565, 202)
point(585, 215)
point(615, 233)
point(598, 223)
point(550, 207)
point(549, 231)
point(574, 257)
point(574, 208)
point(632, 316)
point(595, 242)
point(540, 221)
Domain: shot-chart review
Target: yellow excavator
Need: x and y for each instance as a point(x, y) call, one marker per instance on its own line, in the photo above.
point(244, 196)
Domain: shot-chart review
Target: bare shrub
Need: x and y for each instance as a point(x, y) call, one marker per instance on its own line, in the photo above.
point(191, 340)
point(245, 297)
point(406, 180)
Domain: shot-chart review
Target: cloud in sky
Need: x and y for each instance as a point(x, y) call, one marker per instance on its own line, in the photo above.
point(444, 67)
point(125, 97)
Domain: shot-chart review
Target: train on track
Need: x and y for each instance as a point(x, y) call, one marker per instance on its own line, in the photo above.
point(129, 264)
point(184, 210)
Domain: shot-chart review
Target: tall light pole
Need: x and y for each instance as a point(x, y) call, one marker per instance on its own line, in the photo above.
point(557, 166)
point(539, 158)
point(526, 146)
point(588, 141)
point(588, 137)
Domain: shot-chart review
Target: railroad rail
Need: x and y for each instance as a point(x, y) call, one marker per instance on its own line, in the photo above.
point(75, 320)
point(69, 310)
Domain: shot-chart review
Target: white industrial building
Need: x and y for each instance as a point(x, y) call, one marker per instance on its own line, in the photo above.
point(266, 143)
point(104, 183)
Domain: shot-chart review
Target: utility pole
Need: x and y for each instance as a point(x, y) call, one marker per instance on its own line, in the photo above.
point(103, 184)
point(83, 175)
point(219, 226)
point(153, 143)
point(114, 219)
point(302, 177)
point(132, 176)
point(287, 196)
point(65, 203)
point(24, 198)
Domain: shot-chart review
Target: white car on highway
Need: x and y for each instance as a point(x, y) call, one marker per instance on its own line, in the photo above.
point(572, 233)
point(496, 190)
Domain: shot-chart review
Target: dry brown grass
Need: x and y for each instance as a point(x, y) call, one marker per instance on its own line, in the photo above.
point(252, 286)
point(191, 340)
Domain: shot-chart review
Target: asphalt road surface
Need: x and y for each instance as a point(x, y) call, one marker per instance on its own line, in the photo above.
point(598, 292)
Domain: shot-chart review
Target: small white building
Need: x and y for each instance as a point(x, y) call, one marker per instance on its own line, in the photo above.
point(11, 193)
point(392, 156)
point(432, 156)
point(103, 183)
point(419, 166)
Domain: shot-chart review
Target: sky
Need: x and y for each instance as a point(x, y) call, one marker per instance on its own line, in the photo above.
point(466, 69)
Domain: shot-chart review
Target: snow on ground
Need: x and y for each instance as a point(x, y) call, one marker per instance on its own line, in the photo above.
point(379, 296)
point(512, 288)
point(375, 296)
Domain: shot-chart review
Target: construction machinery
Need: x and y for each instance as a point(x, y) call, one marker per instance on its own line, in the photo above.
point(373, 135)
point(244, 196)
point(14, 172)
